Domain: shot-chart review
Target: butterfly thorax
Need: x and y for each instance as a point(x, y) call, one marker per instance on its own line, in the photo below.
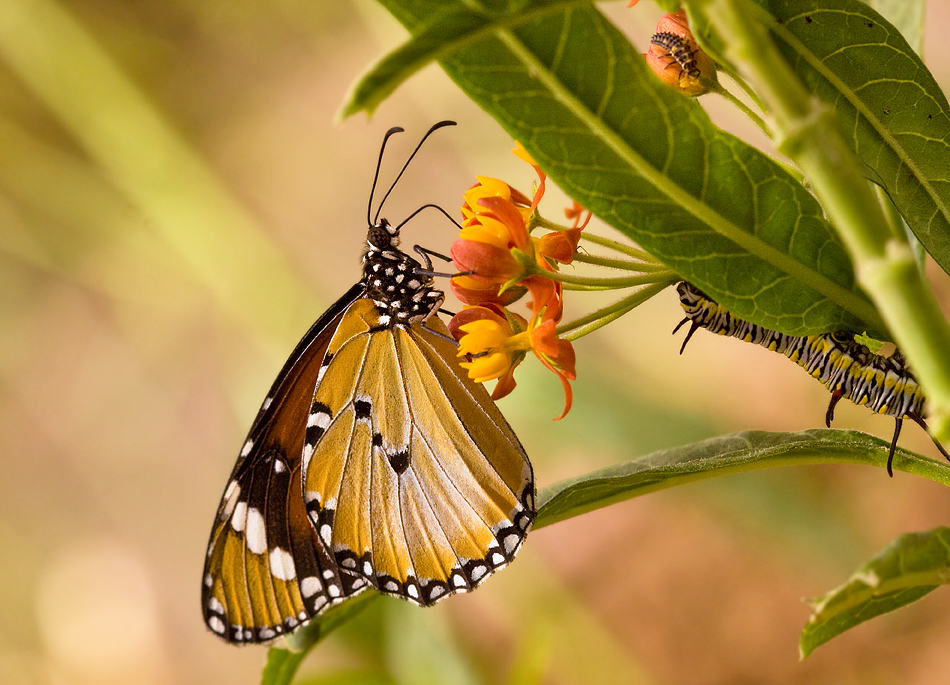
point(402, 292)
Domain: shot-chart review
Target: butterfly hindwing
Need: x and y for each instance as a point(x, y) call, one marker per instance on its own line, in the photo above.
point(417, 483)
point(267, 571)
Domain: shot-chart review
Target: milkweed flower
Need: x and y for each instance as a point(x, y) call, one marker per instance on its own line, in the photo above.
point(495, 343)
point(499, 261)
point(675, 56)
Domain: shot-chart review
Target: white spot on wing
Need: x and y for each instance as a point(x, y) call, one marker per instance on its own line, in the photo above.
point(310, 586)
point(216, 624)
point(256, 535)
point(248, 446)
point(319, 418)
point(231, 488)
point(282, 564)
point(239, 517)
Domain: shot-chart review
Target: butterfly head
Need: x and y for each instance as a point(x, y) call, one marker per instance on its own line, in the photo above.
point(401, 290)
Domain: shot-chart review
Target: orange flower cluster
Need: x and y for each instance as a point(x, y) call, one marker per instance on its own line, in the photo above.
point(499, 262)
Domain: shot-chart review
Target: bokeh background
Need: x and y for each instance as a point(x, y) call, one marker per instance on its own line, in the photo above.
point(177, 205)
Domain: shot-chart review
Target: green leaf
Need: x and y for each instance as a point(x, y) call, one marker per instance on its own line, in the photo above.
point(720, 456)
point(380, 80)
point(580, 98)
point(421, 647)
point(907, 569)
point(442, 35)
point(888, 104)
point(281, 666)
point(282, 663)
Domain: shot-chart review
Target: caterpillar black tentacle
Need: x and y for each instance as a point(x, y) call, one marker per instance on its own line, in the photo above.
point(843, 365)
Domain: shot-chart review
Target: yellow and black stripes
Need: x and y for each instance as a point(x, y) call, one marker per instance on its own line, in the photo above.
point(843, 365)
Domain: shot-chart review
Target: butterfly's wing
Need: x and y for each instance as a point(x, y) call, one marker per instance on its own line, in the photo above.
point(412, 476)
point(267, 571)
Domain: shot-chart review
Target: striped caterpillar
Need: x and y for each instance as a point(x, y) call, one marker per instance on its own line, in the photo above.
point(843, 365)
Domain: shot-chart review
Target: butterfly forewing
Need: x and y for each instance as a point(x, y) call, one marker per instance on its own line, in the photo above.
point(418, 483)
point(267, 570)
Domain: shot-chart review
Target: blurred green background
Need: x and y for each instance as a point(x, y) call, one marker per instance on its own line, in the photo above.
point(177, 205)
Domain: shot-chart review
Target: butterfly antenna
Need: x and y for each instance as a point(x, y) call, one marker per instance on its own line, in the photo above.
point(379, 163)
point(432, 130)
point(444, 213)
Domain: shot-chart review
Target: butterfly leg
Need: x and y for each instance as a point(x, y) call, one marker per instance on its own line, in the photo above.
point(426, 253)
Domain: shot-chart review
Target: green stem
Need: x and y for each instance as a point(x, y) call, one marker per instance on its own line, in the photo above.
point(596, 320)
point(586, 283)
point(745, 109)
point(622, 248)
point(623, 264)
point(538, 221)
point(807, 132)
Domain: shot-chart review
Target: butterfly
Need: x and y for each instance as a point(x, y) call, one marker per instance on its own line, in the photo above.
point(374, 462)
